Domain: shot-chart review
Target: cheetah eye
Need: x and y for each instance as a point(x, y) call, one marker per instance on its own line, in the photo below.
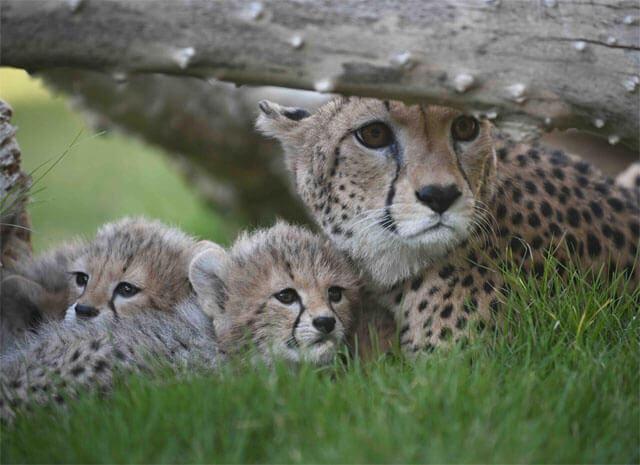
point(287, 296)
point(465, 128)
point(335, 294)
point(375, 135)
point(126, 290)
point(81, 278)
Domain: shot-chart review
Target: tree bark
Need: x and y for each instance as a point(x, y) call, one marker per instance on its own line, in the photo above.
point(15, 233)
point(550, 63)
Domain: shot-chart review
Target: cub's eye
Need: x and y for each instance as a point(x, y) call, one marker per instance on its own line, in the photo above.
point(465, 128)
point(335, 294)
point(126, 290)
point(81, 278)
point(375, 135)
point(287, 296)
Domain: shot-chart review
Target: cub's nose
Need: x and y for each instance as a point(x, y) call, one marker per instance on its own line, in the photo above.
point(324, 324)
point(438, 198)
point(86, 311)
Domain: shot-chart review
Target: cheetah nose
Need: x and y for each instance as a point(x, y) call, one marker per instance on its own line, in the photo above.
point(86, 311)
point(438, 198)
point(324, 324)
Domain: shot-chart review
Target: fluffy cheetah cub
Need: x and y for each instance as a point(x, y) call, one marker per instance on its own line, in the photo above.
point(282, 292)
point(63, 359)
point(426, 200)
point(132, 265)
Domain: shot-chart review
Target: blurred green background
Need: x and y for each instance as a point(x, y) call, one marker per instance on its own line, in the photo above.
point(101, 178)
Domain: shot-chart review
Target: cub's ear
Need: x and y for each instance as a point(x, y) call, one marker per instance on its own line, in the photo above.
point(207, 273)
point(205, 245)
point(277, 121)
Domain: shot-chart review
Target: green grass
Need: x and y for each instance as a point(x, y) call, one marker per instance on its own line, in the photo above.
point(561, 386)
point(103, 177)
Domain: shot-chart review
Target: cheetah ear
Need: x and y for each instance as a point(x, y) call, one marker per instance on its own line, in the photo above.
point(204, 245)
point(207, 274)
point(277, 121)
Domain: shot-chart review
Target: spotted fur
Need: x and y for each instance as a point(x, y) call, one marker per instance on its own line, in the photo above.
point(67, 359)
point(235, 290)
point(437, 273)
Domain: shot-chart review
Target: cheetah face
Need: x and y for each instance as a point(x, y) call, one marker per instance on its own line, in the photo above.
point(396, 186)
point(107, 289)
point(131, 266)
point(283, 292)
point(302, 322)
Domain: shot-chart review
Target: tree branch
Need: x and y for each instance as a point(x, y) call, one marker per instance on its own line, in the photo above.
point(549, 62)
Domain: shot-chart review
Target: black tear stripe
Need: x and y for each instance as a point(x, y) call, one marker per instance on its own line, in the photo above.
point(459, 165)
point(113, 309)
point(387, 220)
point(336, 314)
point(296, 323)
point(261, 309)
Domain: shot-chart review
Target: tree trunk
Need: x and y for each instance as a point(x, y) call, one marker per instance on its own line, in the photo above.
point(549, 62)
point(15, 233)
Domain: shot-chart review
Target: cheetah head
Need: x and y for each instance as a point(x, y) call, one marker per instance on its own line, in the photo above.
point(395, 186)
point(131, 266)
point(282, 292)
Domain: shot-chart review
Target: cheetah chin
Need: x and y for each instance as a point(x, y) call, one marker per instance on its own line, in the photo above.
point(317, 352)
point(418, 242)
point(387, 261)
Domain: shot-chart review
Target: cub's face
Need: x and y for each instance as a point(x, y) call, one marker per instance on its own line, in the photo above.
point(108, 287)
point(396, 186)
point(283, 292)
point(131, 266)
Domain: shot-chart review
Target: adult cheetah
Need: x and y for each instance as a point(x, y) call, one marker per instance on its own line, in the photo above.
point(425, 199)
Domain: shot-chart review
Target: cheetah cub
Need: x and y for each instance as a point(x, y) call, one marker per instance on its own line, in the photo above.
point(33, 291)
point(63, 360)
point(282, 293)
point(426, 199)
point(130, 265)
